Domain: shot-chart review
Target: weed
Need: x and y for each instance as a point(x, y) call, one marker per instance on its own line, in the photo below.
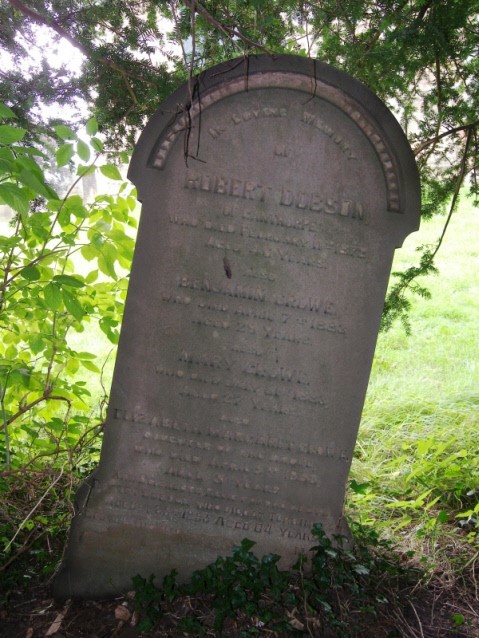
point(335, 589)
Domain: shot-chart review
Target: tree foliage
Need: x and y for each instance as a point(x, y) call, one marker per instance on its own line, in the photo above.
point(48, 429)
point(419, 56)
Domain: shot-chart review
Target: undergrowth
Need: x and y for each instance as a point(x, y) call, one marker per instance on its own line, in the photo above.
point(335, 591)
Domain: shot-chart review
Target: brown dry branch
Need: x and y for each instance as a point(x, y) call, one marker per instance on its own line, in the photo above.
point(46, 396)
point(434, 140)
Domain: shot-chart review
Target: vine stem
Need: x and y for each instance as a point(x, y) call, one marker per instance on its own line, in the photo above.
point(459, 182)
point(5, 429)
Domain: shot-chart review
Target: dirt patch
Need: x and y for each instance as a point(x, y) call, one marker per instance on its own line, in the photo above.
point(428, 612)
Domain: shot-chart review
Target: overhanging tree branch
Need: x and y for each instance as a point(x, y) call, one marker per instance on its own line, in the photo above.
point(231, 32)
point(437, 138)
point(40, 19)
point(46, 396)
point(88, 53)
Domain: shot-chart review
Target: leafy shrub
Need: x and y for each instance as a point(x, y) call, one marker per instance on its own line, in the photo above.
point(62, 265)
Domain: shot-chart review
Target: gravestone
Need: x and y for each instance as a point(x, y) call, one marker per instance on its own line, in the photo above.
point(274, 191)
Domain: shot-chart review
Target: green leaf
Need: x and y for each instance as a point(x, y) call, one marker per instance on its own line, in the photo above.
point(89, 252)
point(83, 151)
point(7, 154)
point(37, 344)
point(458, 620)
point(68, 280)
point(92, 126)
point(97, 144)
point(74, 205)
point(106, 265)
point(31, 273)
point(53, 296)
point(65, 132)
point(72, 305)
point(11, 134)
point(27, 150)
point(33, 181)
point(86, 355)
point(5, 166)
point(359, 488)
point(6, 112)
point(83, 171)
point(72, 366)
point(90, 366)
point(111, 171)
point(15, 197)
point(91, 277)
point(11, 352)
point(64, 154)
point(21, 376)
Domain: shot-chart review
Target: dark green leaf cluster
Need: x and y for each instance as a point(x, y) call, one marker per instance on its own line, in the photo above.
point(335, 593)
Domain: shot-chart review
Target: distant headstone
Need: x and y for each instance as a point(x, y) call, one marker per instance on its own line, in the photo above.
point(274, 192)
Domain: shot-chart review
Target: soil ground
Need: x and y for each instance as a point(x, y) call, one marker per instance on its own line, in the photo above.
point(428, 612)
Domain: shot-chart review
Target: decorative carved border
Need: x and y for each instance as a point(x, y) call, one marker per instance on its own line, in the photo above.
point(311, 86)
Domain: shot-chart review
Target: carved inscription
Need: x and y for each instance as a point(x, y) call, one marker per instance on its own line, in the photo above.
point(257, 316)
point(259, 465)
point(347, 105)
point(259, 192)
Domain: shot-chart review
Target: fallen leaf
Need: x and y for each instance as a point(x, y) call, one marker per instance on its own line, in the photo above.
point(122, 613)
point(57, 623)
point(135, 617)
point(294, 622)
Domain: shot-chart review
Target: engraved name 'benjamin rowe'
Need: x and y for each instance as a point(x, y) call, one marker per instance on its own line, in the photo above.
point(257, 191)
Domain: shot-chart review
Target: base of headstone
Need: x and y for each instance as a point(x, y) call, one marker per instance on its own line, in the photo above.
point(138, 552)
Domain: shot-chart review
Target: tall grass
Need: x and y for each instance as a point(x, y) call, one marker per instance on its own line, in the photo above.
point(416, 465)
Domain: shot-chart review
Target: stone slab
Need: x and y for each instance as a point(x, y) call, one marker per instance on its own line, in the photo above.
point(274, 192)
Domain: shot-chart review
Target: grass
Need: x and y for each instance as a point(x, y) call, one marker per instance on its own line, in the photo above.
point(416, 468)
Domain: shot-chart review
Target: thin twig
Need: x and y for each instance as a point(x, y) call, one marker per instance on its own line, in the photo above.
point(418, 619)
point(88, 53)
point(32, 511)
point(5, 427)
point(45, 397)
point(231, 32)
point(434, 140)
point(67, 195)
point(459, 182)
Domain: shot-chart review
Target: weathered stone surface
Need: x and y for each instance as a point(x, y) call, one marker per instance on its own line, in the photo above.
point(271, 210)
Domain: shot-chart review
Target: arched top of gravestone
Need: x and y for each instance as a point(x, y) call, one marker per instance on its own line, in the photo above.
point(181, 113)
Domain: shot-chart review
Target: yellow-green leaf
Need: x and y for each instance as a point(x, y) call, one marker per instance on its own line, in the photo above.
point(64, 154)
point(83, 151)
point(53, 296)
point(90, 366)
point(111, 171)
